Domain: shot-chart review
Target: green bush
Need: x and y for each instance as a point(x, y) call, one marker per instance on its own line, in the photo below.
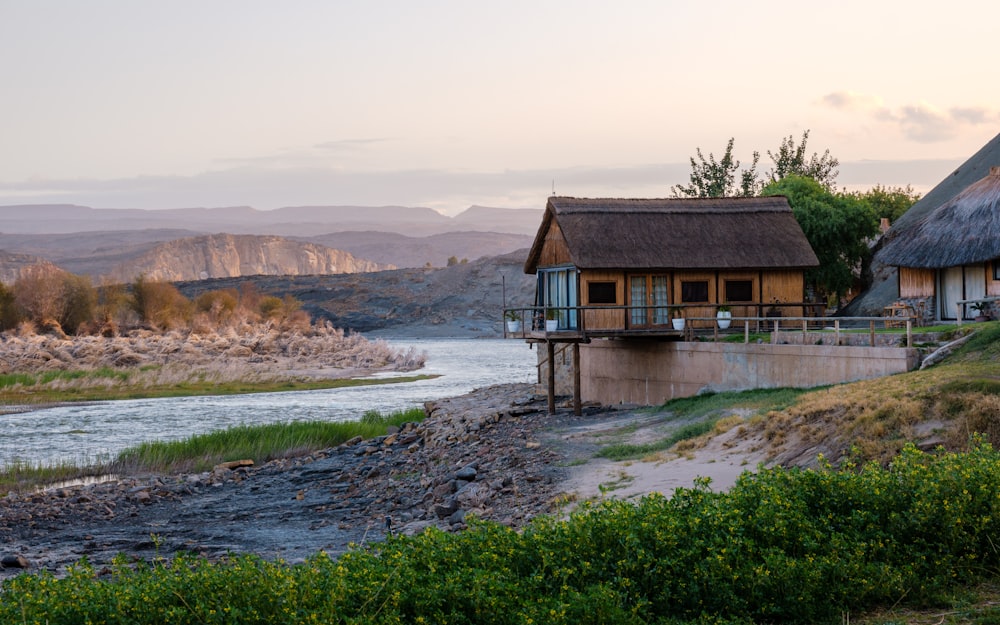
point(790, 546)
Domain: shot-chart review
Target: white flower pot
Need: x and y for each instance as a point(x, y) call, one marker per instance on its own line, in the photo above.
point(514, 326)
point(551, 325)
point(724, 318)
point(677, 323)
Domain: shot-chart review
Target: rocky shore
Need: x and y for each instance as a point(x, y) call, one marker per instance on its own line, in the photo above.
point(479, 454)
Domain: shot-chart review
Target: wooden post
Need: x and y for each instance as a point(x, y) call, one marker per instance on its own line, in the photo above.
point(746, 331)
point(836, 331)
point(909, 333)
point(871, 333)
point(958, 314)
point(805, 329)
point(577, 403)
point(551, 349)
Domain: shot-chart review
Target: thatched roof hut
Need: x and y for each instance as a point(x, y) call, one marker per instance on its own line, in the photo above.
point(681, 234)
point(963, 231)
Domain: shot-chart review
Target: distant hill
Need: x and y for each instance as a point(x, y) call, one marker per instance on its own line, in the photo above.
point(288, 221)
point(227, 256)
point(462, 300)
point(436, 249)
point(12, 264)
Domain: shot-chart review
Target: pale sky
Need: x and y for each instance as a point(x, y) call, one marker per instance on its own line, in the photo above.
point(445, 104)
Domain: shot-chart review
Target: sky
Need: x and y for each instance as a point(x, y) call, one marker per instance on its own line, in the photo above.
point(447, 104)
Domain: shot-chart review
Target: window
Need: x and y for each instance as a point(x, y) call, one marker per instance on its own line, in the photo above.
point(694, 291)
point(739, 291)
point(602, 293)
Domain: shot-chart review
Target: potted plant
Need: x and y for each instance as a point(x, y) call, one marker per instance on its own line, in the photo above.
point(676, 317)
point(980, 308)
point(724, 316)
point(551, 320)
point(513, 321)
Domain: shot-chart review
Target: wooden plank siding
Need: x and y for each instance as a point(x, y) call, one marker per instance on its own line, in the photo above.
point(916, 282)
point(992, 286)
point(707, 310)
point(603, 319)
point(783, 285)
point(555, 251)
point(737, 310)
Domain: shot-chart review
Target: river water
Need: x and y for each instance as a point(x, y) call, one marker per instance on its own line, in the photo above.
point(85, 433)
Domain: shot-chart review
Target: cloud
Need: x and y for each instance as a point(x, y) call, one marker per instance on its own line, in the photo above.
point(920, 122)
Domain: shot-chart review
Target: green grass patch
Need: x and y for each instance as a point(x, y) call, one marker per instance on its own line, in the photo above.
point(625, 451)
point(201, 452)
point(32, 389)
point(704, 411)
point(756, 399)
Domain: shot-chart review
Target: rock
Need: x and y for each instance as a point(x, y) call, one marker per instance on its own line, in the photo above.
point(235, 464)
point(466, 473)
point(446, 509)
point(14, 562)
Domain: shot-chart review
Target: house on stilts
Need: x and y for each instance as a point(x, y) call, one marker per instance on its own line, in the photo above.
point(613, 274)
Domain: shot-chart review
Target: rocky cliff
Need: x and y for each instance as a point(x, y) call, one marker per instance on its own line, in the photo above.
point(230, 256)
point(11, 265)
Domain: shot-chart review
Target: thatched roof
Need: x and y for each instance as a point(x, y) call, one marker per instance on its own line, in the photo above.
point(962, 231)
point(712, 233)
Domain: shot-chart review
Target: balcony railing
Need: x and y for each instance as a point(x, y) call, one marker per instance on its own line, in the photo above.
point(570, 323)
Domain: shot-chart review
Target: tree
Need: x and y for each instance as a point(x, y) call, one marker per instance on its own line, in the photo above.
point(837, 225)
point(160, 304)
point(711, 178)
point(889, 202)
point(791, 159)
point(45, 294)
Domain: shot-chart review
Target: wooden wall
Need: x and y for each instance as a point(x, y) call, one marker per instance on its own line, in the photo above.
point(916, 282)
point(697, 311)
point(612, 319)
point(992, 286)
point(554, 249)
point(783, 285)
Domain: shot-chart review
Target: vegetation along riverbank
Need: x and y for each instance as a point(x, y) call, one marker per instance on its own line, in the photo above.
point(895, 522)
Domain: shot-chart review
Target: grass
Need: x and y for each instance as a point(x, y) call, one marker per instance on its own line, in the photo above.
point(705, 412)
point(53, 387)
point(201, 452)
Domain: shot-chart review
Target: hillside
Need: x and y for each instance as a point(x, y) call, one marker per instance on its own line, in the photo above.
point(11, 265)
point(228, 256)
point(463, 300)
point(287, 221)
point(435, 250)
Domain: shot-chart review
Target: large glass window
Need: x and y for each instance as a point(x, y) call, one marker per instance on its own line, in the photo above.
point(557, 289)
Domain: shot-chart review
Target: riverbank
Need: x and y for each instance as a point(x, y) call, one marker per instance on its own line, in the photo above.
point(493, 453)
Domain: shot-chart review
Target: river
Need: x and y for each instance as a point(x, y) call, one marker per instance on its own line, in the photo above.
point(84, 433)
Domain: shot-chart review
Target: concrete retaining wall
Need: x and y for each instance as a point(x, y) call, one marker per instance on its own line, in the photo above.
point(652, 372)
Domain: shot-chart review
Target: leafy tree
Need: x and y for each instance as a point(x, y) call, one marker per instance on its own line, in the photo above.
point(837, 225)
point(711, 178)
point(889, 202)
point(791, 159)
